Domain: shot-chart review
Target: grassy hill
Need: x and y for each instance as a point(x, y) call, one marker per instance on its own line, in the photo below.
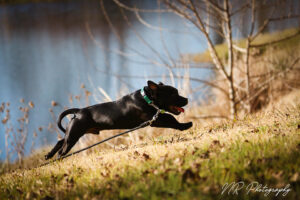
point(282, 47)
point(196, 164)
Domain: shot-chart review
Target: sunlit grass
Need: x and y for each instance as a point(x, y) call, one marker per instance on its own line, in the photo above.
point(189, 165)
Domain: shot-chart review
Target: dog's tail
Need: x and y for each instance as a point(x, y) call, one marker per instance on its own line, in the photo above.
point(63, 114)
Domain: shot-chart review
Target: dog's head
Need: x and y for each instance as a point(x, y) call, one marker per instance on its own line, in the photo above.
point(166, 97)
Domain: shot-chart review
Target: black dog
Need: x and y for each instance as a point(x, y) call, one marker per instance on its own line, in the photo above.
point(125, 113)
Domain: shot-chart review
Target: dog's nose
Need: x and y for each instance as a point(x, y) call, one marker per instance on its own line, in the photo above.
point(186, 101)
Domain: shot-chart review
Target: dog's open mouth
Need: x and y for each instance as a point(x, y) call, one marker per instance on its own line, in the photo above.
point(176, 109)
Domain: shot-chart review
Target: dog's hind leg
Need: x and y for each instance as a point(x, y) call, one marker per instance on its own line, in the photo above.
point(58, 145)
point(75, 131)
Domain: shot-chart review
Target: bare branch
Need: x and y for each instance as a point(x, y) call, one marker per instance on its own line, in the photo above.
point(143, 40)
point(138, 16)
point(252, 18)
point(121, 5)
point(229, 37)
point(209, 83)
point(230, 80)
point(167, 51)
point(116, 51)
point(155, 62)
point(240, 49)
point(212, 49)
point(215, 6)
point(241, 9)
point(261, 28)
point(160, 28)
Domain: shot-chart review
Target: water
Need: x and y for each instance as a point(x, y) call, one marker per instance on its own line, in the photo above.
point(48, 50)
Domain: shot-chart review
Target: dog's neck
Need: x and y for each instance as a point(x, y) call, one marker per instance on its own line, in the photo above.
point(147, 93)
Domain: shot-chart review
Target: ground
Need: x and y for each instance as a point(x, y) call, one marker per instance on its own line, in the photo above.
point(263, 148)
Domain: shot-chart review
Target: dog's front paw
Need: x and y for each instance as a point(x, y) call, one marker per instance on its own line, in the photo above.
point(185, 126)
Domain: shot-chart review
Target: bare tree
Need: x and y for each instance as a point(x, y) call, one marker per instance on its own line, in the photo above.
point(224, 12)
point(240, 92)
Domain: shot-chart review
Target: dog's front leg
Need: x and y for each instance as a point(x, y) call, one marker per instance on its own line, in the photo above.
point(168, 121)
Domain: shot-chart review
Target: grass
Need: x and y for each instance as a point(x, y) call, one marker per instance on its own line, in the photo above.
point(194, 164)
point(283, 46)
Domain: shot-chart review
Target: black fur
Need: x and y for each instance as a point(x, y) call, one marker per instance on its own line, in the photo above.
point(125, 113)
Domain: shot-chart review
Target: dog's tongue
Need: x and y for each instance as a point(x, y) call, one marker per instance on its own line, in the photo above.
point(179, 109)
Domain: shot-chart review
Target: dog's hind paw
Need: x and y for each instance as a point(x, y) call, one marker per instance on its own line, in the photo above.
point(47, 156)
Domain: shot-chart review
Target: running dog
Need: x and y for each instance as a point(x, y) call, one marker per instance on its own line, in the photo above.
point(128, 112)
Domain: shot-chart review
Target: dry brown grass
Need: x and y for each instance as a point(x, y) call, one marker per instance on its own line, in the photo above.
point(251, 148)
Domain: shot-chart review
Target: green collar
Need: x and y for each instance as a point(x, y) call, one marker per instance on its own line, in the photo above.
point(145, 96)
point(150, 102)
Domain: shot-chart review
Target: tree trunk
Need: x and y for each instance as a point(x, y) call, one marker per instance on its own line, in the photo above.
point(247, 79)
point(232, 98)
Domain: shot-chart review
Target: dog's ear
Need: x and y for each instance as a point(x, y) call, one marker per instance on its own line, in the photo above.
point(160, 83)
point(153, 86)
